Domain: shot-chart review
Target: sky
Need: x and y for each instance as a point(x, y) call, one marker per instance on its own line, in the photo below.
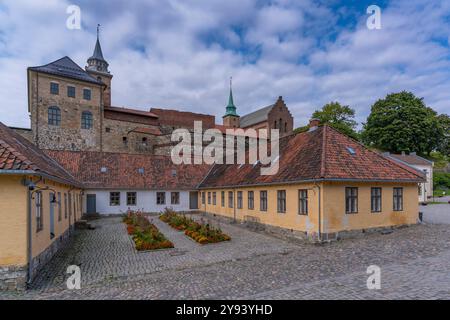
point(180, 54)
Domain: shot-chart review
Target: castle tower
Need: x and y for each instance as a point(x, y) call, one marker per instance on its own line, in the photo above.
point(98, 68)
point(231, 118)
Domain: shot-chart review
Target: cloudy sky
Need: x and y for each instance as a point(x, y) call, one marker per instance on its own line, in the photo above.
point(181, 53)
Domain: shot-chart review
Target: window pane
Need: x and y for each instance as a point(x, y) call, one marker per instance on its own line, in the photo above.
point(86, 120)
point(175, 198)
point(54, 116)
point(54, 88)
point(71, 92)
point(86, 94)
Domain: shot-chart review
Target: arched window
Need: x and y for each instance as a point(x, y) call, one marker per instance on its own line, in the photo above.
point(285, 127)
point(275, 124)
point(54, 116)
point(87, 121)
point(144, 141)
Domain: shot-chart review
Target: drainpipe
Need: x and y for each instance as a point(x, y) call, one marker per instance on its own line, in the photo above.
point(320, 216)
point(29, 237)
point(234, 205)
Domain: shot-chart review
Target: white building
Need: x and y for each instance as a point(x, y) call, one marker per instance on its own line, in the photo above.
point(116, 182)
point(421, 164)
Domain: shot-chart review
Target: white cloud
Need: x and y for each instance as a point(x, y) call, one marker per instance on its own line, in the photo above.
point(180, 54)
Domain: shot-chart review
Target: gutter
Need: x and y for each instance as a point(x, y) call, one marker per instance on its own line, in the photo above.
point(309, 181)
point(42, 175)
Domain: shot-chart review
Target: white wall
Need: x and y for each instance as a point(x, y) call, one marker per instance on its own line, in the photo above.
point(427, 187)
point(146, 201)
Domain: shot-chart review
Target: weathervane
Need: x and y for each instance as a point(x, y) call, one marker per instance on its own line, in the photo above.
point(98, 30)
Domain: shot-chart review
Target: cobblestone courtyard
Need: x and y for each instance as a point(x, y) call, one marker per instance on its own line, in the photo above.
point(414, 261)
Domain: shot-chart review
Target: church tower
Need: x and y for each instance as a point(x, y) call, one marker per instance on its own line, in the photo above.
point(98, 68)
point(231, 118)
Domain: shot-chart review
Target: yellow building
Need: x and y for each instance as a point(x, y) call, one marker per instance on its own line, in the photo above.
point(327, 186)
point(39, 204)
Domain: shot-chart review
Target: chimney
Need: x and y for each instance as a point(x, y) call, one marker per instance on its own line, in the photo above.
point(313, 124)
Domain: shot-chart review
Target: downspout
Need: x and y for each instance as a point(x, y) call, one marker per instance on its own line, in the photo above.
point(234, 205)
point(319, 234)
point(29, 238)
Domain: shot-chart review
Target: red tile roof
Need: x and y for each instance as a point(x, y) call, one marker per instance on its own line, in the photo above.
point(132, 111)
point(411, 159)
point(122, 171)
point(322, 154)
point(17, 153)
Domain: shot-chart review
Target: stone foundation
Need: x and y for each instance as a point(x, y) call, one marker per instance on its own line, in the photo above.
point(45, 256)
point(295, 235)
point(13, 278)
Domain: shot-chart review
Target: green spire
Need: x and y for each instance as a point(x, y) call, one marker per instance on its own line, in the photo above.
point(231, 108)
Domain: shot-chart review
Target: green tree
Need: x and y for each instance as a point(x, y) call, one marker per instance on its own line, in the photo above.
point(402, 122)
point(339, 117)
point(444, 141)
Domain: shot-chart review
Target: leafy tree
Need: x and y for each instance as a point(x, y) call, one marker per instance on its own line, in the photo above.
point(444, 141)
point(339, 117)
point(402, 122)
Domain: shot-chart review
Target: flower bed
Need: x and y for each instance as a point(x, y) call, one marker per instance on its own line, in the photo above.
point(202, 233)
point(146, 235)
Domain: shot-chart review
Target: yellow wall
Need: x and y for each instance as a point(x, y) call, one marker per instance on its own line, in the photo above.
point(333, 217)
point(13, 221)
point(13, 218)
point(289, 220)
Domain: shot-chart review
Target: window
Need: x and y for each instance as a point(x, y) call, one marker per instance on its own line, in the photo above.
point(86, 120)
point(54, 116)
point(144, 141)
point(114, 198)
point(209, 197)
point(65, 205)
point(39, 216)
point(86, 94)
point(222, 198)
point(398, 199)
point(71, 92)
point(275, 124)
point(214, 198)
point(351, 200)
point(420, 190)
point(125, 140)
point(203, 197)
point(160, 198)
point(107, 129)
point(54, 88)
point(263, 200)
point(251, 200)
point(175, 198)
point(375, 199)
point(59, 207)
point(131, 198)
point(281, 201)
point(239, 199)
point(230, 199)
point(70, 205)
point(303, 201)
point(285, 127)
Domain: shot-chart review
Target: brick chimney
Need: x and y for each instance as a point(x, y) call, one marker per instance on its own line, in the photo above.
point(313, 124)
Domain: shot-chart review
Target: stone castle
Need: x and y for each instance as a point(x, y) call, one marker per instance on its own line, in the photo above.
point(70, 109)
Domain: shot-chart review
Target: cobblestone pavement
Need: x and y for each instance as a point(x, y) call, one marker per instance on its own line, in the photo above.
point(436, 213)
point(414, 262)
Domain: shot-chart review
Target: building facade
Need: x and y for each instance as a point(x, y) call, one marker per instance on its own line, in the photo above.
point(328, 186)
point(41, 203)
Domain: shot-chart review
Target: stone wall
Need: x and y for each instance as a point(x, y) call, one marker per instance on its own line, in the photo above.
point(68, 135)
point(13, 278)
